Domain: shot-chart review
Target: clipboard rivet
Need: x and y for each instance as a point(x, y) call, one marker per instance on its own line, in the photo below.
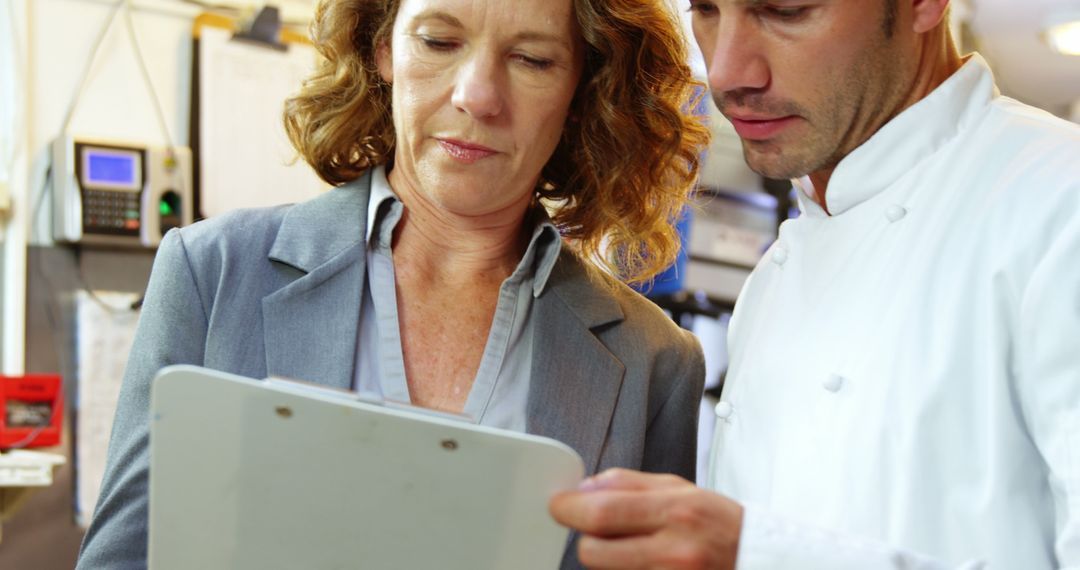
point(284, 411)
point(449, 444)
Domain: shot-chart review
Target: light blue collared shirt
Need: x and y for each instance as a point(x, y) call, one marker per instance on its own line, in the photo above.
point(499, 393)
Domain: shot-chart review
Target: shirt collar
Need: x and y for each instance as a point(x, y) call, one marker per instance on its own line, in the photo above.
point(902, 143)
point(380, 193)
point(543, 251)
point(539, 258)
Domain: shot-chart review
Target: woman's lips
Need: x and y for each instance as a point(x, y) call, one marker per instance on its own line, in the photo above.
point(760, 129)
point(462, 151)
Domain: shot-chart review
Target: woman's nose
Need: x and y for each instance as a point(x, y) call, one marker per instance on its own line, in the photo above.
point(478, 91)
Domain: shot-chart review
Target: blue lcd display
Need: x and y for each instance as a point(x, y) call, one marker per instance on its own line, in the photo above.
point(110, 168)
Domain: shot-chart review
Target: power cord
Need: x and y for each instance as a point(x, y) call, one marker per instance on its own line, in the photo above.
point(133, 38)
point(80, 276)
point(81, 85)
point(173, 161)
point(46, 182)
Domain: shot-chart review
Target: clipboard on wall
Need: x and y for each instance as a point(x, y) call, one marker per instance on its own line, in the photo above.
point(240, 80)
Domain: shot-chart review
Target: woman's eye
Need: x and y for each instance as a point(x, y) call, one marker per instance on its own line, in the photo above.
point(437, 44)
point(535, 62)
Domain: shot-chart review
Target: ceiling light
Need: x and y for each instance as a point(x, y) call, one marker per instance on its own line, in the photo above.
point(1065, 37)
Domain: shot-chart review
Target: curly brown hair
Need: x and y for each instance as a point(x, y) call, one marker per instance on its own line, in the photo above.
point(624, 169)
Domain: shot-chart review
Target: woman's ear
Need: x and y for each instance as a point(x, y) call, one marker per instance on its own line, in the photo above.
point(385, 62)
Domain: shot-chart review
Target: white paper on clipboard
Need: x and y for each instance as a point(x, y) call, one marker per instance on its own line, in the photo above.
point(245, 157)
point(254, 474)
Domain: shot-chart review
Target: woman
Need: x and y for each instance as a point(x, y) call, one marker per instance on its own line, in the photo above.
point(434, 274)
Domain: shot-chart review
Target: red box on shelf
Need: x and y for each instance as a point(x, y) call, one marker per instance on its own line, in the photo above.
point(31, 410)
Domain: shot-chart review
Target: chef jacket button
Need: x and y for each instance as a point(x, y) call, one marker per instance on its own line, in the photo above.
point(895, 212)
point(779, 255)
point(833, 383)
point(724, 410)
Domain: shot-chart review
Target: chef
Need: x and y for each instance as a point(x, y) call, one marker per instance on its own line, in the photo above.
point(904, 387)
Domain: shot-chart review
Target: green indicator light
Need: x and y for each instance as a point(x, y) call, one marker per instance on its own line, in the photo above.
point(165, 208)
point(131, 214)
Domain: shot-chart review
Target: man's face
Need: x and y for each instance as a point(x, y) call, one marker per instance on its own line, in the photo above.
point(804, 82)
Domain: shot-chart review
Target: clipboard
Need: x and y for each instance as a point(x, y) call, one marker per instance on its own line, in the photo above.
point(239, 81)
point(269, 474)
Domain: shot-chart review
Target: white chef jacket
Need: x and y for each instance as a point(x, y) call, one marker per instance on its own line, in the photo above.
point(904, 389)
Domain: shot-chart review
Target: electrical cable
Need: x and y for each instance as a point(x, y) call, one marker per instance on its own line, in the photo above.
point(44, 191)
point(133, 38)
point(80, 276)
point(90, 64)
point(181, 183)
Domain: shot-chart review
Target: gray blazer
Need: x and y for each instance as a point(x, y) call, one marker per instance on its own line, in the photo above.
point(277, 291)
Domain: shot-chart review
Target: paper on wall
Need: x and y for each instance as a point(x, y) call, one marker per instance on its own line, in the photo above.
point(244, 153)
point(105, 330)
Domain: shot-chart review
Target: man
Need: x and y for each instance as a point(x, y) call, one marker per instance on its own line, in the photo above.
point(904, 388)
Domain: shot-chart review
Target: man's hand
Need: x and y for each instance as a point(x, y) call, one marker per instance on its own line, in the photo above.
point(638, 520)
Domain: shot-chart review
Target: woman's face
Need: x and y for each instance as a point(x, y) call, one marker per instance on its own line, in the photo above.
point(481, 91)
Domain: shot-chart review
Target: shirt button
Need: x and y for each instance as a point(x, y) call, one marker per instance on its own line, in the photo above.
point(779, 255)
point(833, 383)
point(724, 410)
point(895, 212)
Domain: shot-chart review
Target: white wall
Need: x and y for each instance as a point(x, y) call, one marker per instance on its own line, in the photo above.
point(52, 39)
point(14, 94)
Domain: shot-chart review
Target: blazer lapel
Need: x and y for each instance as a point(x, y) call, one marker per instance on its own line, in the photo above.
point(575, 378)
point(310, 325)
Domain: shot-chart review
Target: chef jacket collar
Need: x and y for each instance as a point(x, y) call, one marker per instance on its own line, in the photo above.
point(902, 143)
